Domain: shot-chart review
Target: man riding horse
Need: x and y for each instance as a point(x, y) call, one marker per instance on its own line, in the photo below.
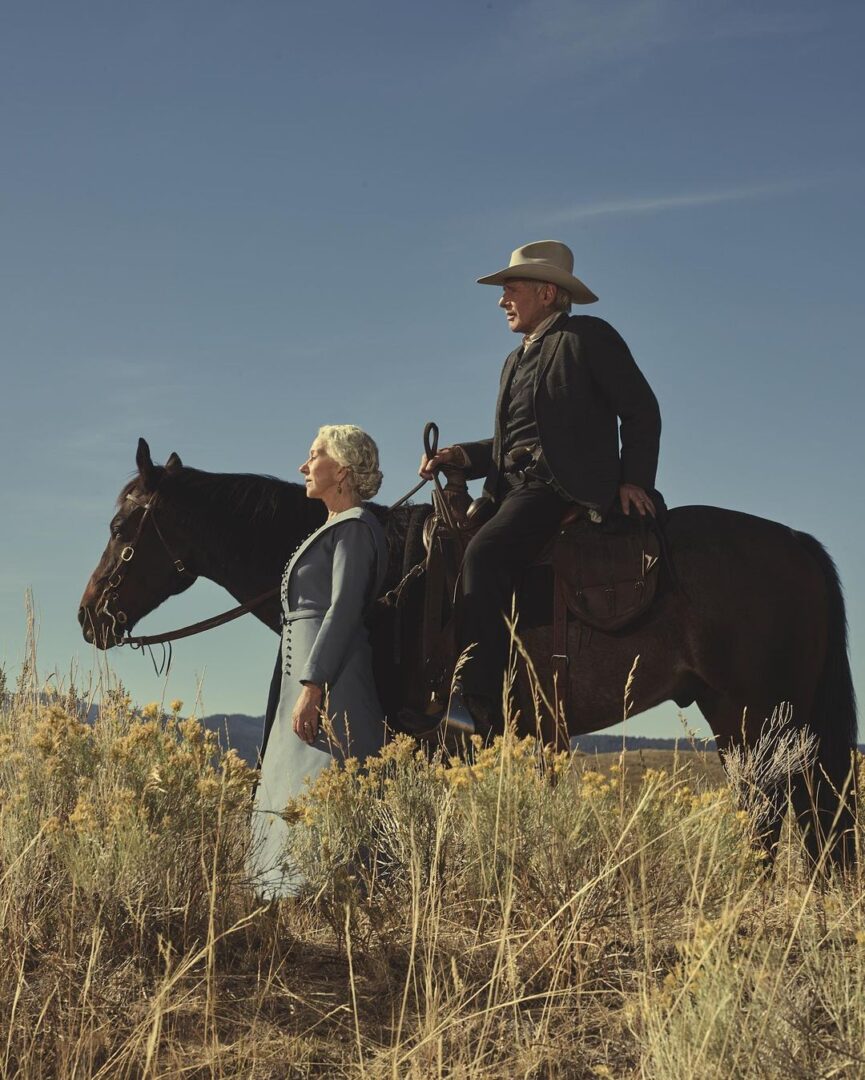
point(567, 394)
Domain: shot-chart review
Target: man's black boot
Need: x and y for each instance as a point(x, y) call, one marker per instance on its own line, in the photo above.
point(472, 714)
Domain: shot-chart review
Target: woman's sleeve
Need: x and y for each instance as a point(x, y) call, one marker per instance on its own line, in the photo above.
point(354, 560)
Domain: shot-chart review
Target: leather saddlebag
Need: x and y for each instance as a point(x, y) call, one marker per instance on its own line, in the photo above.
point(608, 573)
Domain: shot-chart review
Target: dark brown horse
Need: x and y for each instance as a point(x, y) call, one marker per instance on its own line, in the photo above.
point(753, 616)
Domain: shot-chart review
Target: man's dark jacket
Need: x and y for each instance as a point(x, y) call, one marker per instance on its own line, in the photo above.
point(586, 382)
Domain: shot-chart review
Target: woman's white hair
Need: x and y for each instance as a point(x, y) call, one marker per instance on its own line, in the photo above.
point(353, 448)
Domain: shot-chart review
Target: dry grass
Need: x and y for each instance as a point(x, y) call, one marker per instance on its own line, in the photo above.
point(702, 769)
point(527, 915)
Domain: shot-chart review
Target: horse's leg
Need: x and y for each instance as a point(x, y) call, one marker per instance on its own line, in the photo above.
point(771, 772)
point(822, 799)
point(763, 797)
point(825, 796)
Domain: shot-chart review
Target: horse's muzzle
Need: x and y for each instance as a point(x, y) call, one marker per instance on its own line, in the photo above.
point(96, 631)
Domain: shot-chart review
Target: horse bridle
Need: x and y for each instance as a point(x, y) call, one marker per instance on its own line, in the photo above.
point(115, 578)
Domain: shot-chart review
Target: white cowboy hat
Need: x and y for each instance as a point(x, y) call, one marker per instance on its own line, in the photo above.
point(546, 260)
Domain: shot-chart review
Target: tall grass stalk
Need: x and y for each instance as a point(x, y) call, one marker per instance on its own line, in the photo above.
point(523, 913)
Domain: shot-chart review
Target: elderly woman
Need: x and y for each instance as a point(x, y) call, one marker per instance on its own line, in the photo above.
point(327, 706)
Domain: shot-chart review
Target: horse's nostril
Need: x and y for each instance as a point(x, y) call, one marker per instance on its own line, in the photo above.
point(86, 622)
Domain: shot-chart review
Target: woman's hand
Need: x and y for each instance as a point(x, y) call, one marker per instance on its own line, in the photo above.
point(305, 717)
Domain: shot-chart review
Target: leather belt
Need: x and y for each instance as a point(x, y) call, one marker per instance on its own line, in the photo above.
point(304, 613)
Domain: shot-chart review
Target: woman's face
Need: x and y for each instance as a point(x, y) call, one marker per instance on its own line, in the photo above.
point(322, 473)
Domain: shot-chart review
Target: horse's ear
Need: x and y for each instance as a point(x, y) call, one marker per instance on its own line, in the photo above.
point(146, 468)
point(174, 463)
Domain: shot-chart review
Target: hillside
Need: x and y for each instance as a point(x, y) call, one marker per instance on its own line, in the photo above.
point(238, 731)
point(243, 733)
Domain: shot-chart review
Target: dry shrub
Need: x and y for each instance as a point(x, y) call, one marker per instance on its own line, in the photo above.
point(113, 837)
point(525, 893)
point(519, 913)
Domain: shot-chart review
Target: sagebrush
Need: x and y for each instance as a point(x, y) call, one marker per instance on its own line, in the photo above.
point(524, 915)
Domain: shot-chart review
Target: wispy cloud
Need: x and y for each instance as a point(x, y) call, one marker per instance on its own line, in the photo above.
point(594, 33)
point(653, 204)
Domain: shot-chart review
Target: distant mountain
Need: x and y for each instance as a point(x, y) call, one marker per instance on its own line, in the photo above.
point(607, 744)
point(243, 733)
point(238, 731)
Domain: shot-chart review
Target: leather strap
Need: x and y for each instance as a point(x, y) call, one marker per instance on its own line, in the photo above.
point(433, 604)
point(560, 647)
point(205, 624)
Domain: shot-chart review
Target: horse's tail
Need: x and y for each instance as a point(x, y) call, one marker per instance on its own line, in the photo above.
point(833, 721)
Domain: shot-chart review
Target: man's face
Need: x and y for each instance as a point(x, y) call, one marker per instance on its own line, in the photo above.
point(525, 305)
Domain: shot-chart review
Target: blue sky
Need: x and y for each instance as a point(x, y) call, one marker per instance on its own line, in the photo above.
point(223, 224)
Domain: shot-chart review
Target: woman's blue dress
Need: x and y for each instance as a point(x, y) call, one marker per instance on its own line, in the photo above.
point(328, 588)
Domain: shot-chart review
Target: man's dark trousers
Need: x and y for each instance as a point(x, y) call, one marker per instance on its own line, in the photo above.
point(528, 516)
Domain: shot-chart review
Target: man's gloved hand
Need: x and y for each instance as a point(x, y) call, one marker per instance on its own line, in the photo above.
point(632, 495)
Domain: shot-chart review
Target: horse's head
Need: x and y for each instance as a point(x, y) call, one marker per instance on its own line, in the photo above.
point(147, 558)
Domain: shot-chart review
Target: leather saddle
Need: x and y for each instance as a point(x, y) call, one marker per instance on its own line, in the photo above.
point(605, 576)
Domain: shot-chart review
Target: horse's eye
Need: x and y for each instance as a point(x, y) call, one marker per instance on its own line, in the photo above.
point(116, 533)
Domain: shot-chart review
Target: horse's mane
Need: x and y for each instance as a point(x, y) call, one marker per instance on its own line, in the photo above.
point(256, 497)
point(264, 501)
